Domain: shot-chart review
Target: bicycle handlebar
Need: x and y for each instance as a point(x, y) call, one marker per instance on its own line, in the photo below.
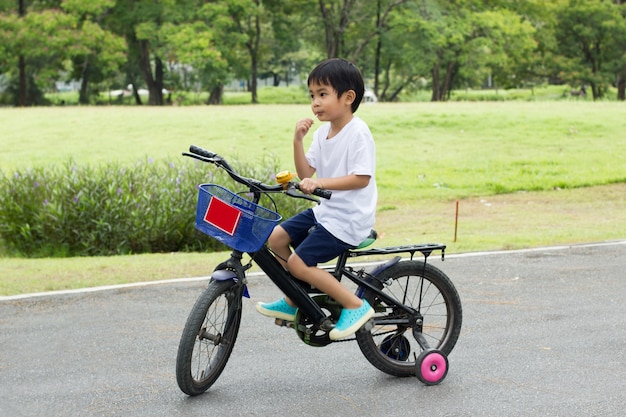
point(254, 184)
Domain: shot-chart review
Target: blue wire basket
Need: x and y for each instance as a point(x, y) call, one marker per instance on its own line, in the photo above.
point(236, 222)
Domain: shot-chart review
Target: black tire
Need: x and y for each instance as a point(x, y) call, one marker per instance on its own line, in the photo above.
point(208, 338)
point(392, 348)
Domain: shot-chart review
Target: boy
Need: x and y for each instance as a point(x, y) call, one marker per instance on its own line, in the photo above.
point(342, 157)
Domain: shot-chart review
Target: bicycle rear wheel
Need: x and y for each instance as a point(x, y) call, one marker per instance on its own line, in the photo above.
point(390, 345)
point(208, 337)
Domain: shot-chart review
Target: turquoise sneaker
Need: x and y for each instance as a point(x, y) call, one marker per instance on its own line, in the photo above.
point(278, 310)
point(351, 320)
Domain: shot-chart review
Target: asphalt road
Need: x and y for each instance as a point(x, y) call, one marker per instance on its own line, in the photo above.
point(544, 334)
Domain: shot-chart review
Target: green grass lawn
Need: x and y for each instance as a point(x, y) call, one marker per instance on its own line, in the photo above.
point(525, 173)
point(424, 150)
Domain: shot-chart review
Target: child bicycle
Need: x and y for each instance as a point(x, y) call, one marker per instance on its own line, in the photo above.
point(418, 311)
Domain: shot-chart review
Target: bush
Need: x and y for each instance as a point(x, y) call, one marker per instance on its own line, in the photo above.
point(72, 210)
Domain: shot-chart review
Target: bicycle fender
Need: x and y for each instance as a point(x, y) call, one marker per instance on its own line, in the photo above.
point(386, 265)
point(225, 275)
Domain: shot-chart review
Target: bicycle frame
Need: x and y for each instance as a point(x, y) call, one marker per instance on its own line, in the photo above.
point(233, 269)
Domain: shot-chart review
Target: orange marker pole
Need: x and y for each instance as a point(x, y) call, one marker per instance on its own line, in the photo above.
point(456, 219)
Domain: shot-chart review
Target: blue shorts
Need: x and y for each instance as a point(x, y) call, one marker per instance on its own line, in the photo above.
point(312, 242)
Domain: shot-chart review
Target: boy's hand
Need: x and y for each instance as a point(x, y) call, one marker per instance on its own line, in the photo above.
point(302, 128)
point(308, 185)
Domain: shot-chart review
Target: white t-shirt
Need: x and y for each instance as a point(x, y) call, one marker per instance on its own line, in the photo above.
point(348, 215)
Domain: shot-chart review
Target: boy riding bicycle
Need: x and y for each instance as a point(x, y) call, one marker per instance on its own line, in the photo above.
point(342, 158)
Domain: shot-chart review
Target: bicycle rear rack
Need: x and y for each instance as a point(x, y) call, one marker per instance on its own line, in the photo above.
point(426, 249)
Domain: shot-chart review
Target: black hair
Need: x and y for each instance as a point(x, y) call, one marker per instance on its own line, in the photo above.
point(342, 75)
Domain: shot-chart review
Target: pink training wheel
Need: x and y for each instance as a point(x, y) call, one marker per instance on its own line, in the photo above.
point(431, 366)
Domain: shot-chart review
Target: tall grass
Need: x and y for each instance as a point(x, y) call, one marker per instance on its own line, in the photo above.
point(110, 209)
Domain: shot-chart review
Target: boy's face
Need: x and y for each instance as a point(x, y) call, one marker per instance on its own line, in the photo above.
point(326, 104)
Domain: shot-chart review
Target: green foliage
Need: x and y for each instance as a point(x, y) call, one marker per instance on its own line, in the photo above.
point(111, 209)
point(591, 44)
point(400, 45)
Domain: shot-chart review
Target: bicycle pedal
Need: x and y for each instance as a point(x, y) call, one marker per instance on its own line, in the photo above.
point(284, 323)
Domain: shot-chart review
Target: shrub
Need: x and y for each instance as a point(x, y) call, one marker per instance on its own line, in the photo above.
point(110, 209)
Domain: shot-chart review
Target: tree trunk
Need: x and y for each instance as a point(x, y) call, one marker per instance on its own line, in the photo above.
point(595, 91)
point(136, 95)
point(621, 86)
point(328, 29)
point(216, 94)
point(450, 73)
point(442, 88)
point(155, 92)
point(83, 94)
point(21, 95)
point(379, 44)
point(254, 57)
point(253, 81)
point(435, 72)
point(334, 28)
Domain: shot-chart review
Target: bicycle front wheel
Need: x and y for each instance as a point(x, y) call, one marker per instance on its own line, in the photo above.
point(208, 337)
point(390, 345)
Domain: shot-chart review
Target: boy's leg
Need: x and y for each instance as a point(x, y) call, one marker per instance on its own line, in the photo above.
point(279, 242)
point(293, 230)
point(355, 313)
point(316, 245)
point(323, 281)
point(321, 246)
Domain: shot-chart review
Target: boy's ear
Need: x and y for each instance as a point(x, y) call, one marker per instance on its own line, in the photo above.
point(350, 96)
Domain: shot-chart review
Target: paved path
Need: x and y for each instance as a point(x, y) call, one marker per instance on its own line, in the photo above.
point(544, 334)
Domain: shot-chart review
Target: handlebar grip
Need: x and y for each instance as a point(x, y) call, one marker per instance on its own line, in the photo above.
point(322, 193)
point(202, 152)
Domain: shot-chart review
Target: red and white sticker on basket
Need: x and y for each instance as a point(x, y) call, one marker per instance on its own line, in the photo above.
point(222, 215)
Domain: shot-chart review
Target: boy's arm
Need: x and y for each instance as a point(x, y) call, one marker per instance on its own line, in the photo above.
point(348, 182)
point(303, 168)
point(305, 171)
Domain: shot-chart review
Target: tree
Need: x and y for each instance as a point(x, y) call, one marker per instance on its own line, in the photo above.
point(590, 37)
point(38, 45)
point(140, 22)
point(229, 41)
point(621, 71)
point(9, 27)
point(352, 29)
point(456, 44)
point(384, 12)
point(434, 42)
point(335, 16)
point(284, 51)
point(102, 52)
point(192, 46)
point(508, 46)
point(245, 21)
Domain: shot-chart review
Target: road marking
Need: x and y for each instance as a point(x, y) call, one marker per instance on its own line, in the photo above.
point(252, 274)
